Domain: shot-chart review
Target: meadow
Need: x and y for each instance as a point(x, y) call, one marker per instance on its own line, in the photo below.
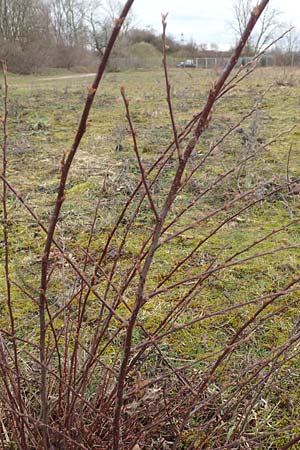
point(220, 318)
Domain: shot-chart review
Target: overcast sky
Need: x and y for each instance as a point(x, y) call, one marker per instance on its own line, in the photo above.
point(204, 21)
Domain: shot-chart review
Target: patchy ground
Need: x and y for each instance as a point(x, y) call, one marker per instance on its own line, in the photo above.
point(259, 155)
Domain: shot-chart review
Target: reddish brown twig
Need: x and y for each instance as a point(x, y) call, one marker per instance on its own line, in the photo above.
point(16, 386)
point(168, 88)
point(200, 127)
point(55, 215)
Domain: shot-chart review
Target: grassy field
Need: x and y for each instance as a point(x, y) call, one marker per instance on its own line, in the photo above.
point(260, 155)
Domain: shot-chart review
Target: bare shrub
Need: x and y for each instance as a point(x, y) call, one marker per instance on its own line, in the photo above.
point(106, 364)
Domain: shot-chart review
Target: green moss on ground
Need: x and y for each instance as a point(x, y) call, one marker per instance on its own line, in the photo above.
point(43, 116)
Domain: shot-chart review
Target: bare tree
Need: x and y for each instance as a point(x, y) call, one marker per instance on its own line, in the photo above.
point(25, 34)
point(287, 49)
point(290, 43)
point(101, 18)
point(13, 19)
point(68, 21)
point(266, 27)
point(20, 19)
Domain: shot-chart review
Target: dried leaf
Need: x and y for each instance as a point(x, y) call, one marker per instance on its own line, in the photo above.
point(141, 387)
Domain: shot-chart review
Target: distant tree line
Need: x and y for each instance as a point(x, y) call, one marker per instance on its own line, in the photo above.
point(57, 33)
point(67, 33)
point(269, 28)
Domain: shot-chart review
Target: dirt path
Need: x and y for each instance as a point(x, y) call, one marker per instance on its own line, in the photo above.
point(26, 84)
point(67, 77)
